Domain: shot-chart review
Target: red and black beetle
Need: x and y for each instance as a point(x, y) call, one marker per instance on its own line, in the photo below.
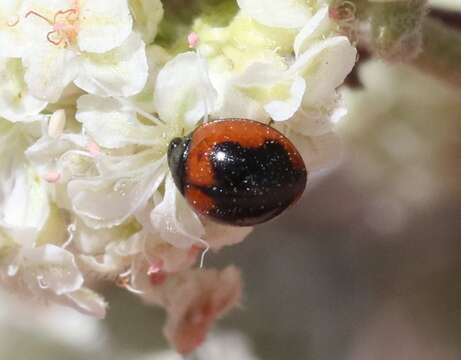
point(237, 171)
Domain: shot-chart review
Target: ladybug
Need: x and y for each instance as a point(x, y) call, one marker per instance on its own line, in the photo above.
point(237, 171)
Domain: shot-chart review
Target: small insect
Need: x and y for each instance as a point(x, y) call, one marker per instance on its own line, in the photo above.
point(237, 171)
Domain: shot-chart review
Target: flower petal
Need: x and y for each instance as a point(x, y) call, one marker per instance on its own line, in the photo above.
point(111, 126)
point(183, 91)
point(319, 152)
point(175, 220)
point(88, 302)
point(317, 26)
point(281, 110)
point(105, 265)
point(12, 41)
point(12, 238)
point(325, 65)
point(147, 16)
point(219, 235)
point(94, 241)
point(24, 198)
point(49, 69)
point(63, 155)
point(113, 250)
point(280, 93)
point(109, 200)
point(53, 268)
point(104, 25)
point(120, 72)
point(313, 121)
point(156, 58)
point(277, 13)
point(16, 103)
point(233, 103)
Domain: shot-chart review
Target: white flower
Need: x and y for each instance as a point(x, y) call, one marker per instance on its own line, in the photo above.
point(279, 91)
point(33, 267)
point(125, 183)
point(183, 91)
point(119, 72)
point(175, 220)
point(122, 187)
point(278, 13)
point(325, 66)
point(126, 187)
point(263, 84)
point(16, 101)
point(219, 235)
point(11, 37)
point(82, 42)
point(112, 126)
point(87, 302)
point(86, 191)
point(23, 196)
point(32, 230)
point(95, 26)
point(157, 57)
point(49, 267)
point(147, 15)
point(108, 252)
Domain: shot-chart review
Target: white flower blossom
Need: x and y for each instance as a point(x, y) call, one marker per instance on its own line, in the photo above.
point(134, 178)
point(88, 42)
point(279, 87)
point(278, 13)
point(12, 41)
point(147, 15)
point(32, 230)
point(16, 101)
point(91, 94)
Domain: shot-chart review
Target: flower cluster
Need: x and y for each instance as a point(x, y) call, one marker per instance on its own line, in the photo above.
point(92, 92)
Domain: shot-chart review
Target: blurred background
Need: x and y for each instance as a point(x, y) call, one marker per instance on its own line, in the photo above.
point(366, 267)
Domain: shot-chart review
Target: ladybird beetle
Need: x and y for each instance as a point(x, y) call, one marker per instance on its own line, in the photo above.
point(237, 171)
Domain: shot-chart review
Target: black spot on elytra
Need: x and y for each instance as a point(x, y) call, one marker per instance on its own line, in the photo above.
point(252, 185)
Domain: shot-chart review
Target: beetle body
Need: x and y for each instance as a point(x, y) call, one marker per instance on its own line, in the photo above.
point(237, 171)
